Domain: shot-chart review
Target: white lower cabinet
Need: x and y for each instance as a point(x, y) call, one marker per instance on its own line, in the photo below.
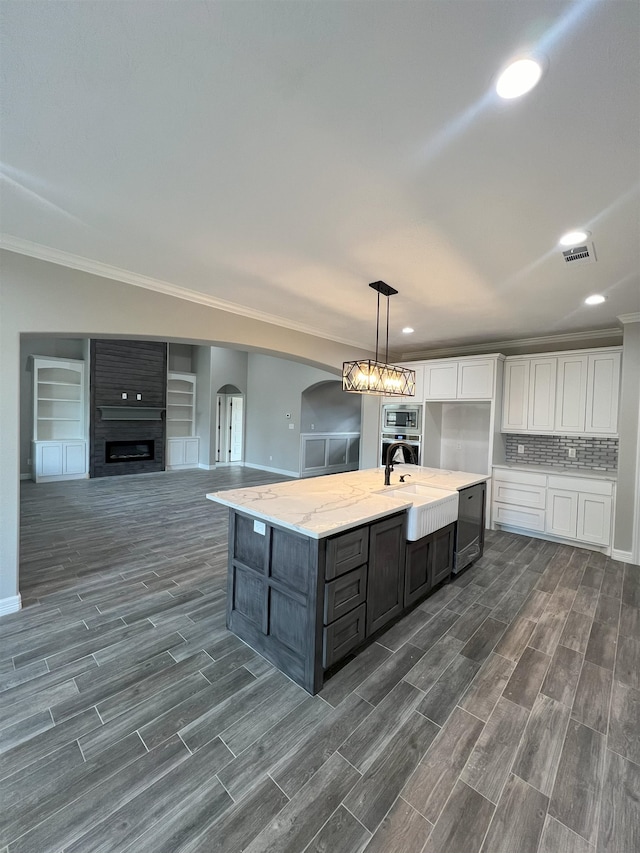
point(58, 460)
point(562, 513)
point(182, 452)
point(569, 507)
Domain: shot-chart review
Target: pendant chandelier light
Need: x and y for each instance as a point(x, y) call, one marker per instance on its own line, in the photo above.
point(379, 377)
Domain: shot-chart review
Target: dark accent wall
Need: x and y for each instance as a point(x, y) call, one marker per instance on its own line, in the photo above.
point(131, 367)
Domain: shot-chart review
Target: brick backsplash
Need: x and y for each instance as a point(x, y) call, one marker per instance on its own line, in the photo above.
point(600, 454)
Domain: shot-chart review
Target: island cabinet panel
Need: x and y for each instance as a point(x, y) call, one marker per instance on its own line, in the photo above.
point(428, 562)
point(418, 571)
point(344, 635)
point(273, 600)
point(385, 586)
point(443, 550)
point(346, 551)
point(345, 594)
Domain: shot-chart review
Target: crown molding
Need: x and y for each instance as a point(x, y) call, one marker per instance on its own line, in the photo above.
point(629, 318)
point(77, 262)
point(551, 341)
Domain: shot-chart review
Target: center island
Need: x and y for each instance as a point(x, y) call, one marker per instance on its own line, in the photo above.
point(318, 566)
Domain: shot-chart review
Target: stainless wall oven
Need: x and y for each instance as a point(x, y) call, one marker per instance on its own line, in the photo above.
point(412, 440)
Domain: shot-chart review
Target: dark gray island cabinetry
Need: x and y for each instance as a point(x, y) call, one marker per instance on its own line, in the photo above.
point(305, 603)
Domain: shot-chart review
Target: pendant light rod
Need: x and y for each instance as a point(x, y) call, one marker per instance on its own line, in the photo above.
point(381, 287)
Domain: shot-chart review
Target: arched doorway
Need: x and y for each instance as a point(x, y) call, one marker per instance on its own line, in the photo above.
point(330, 425)
point(229, 425)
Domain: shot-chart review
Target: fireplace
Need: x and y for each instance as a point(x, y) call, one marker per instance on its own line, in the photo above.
point(127, 427)
point(129, 451)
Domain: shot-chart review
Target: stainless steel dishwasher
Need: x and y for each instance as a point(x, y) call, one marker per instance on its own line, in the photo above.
point(470, 529)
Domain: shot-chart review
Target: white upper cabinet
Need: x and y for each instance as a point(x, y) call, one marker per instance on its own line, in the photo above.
point(460, 379)
point(603, 388)
point(515, 402)
point(573, 393)
point(542, 394)
point(476, 379)
point(441, 380)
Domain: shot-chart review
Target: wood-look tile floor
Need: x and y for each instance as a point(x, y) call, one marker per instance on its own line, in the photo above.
point(501, 716)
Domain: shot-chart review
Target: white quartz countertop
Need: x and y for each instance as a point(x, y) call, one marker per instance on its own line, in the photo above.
point(322, 506)
point(591, 473)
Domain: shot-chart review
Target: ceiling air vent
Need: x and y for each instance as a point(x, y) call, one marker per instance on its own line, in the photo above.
point(578, 255)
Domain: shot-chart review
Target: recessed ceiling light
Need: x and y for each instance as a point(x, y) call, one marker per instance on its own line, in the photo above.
point(572, 238)
point(595, 299)
point(407, 330)
point(518, 78)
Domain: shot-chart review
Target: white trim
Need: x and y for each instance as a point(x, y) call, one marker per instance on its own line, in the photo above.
point(500, 346)
point(629, 318)
point(10, 605)
point(77, 262)
point(282, 471)
point(621, 556)
point(562, 540)
point(206, 467)
point(25, 476)
point(635, 533)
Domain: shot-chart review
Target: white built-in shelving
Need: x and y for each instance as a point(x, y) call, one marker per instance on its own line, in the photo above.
point(59, 445)
point(182, 442)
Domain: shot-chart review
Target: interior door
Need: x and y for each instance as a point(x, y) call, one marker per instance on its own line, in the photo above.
point(234, 421)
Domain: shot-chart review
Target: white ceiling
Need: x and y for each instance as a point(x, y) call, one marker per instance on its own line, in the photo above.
point(281, 155)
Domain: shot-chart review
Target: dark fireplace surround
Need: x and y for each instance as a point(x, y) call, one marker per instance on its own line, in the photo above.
point(127, 435)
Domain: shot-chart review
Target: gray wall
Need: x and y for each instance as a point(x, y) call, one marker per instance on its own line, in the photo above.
point(326, 408)
point(180, 358)
point(627, 499)
point(274, 389)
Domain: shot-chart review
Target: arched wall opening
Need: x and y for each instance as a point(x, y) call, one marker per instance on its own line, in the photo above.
point(44, 299)
point(330, 429)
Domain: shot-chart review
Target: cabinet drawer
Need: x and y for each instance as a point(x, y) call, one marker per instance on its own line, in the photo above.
point(581, 484)
point(520, 495)
point(345, 594)
point(346, 552)
point(529, 519)
point(527, 477)
point(343, 635)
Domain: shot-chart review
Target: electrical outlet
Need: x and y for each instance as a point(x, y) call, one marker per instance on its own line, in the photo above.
point(313, 426)
point(292, 426)
point(271, 459)
point(124, 395)
point(572, 453)
point(138, 396)
point(521, 448)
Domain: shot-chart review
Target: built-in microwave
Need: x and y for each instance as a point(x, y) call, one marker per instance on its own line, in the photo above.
point(398, 418)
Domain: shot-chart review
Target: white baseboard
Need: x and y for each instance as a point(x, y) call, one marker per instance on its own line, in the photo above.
point(561, 540)
point(25, 476)
point(282, 471)
point(10, 605)
point(206, 467)
point(621, 556)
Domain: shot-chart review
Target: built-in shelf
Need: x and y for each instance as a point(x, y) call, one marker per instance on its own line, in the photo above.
point(59, 446)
